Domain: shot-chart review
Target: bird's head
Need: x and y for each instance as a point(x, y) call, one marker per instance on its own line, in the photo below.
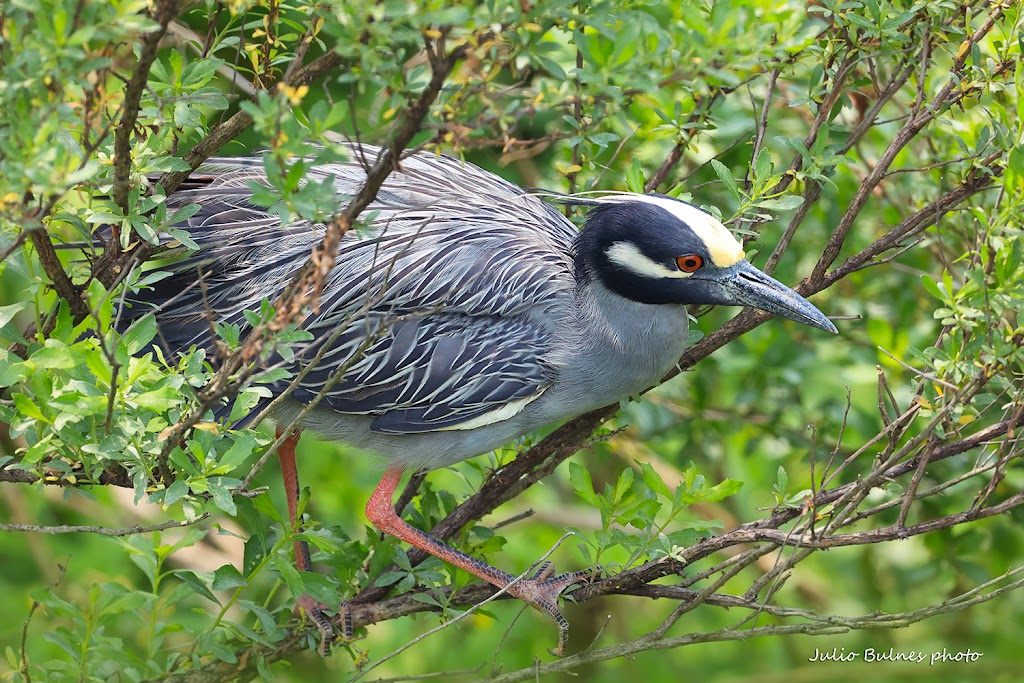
point(657, 250)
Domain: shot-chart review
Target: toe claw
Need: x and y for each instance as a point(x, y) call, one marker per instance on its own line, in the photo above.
point(542, 590)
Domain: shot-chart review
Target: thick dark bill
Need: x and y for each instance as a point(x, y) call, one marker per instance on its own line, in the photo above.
point(748, 286)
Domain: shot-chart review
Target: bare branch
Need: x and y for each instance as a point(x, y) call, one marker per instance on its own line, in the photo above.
point(103, 530)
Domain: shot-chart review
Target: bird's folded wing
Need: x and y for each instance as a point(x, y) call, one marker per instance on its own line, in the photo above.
point(432, 373)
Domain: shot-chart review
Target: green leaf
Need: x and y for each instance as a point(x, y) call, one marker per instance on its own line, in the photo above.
point(104, 217)
point(175, 492)
point(653, 479)
point(726, 177)
point(184, 213)
point(718, 492)
point(197, 584)
point(55, 355)
point(184, 237)
point(128, 602)
point(159, 400)
point(12, 369)
point(7, 313)
point(785, 203)
point(255, 551)
point(427, 599)
point(27, 407)
point(227, 577)
point(782, 479)
point(139, 334)
point(933, 288)
point(635, 176)
point(266, 619)
point(244, 403)
point(763, 166)
point(579, 478)
point(221, 495)
point(283, 565)
point(321, 588)
point(623, 490)
point(238, 453)
point(552, 67)
point(389, 578)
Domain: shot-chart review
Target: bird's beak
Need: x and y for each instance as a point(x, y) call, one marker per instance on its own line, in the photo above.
point(745, 285)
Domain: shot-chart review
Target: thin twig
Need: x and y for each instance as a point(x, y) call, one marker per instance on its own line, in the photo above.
point(102, 530)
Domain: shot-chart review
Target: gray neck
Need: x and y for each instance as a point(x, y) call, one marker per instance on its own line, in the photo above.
point(628, 346)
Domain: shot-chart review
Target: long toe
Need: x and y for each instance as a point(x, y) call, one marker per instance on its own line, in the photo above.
point(345, 619)
point(315, 612)
point(543, 593)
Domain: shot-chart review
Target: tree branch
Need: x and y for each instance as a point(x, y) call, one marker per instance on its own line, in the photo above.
point(164, 13)
point(102, 530)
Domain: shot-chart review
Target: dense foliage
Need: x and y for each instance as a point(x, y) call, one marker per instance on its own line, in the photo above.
point(869, 150)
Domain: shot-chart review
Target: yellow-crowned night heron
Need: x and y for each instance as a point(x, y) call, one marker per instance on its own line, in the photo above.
point(467, 314)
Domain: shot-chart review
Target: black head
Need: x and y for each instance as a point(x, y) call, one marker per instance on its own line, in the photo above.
point(657, 250)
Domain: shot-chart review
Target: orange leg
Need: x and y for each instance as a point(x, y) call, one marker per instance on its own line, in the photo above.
point(286, 454)
point(541, 590)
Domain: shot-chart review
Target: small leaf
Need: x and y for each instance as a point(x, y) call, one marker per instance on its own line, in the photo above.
point(184, 213)
point(55, 355)
point(7, 313)
point(763, 166)
point(175, 492)
point(221, 495)
point(321, 588)
point(255, 550)
point(104, 217)
point(427, 599)
point(784, 203)
point(227, 577)
point(719, 491)
point(27, 408)
point(183, 237)
point(635, 176)
point(653, 479)
point(389, 578)
point(726, 177)
point(139, 334)
point(581, 482)
point(239, 452)
point(159, 400)
point(11, 372)
point(933, 288)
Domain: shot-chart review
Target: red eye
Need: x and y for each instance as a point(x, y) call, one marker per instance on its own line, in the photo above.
point(689, 263)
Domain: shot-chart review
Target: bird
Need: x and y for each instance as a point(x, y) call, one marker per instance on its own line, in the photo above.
point(465, 313)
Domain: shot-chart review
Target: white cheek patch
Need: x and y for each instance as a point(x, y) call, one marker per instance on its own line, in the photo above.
point(627, 255)
point(725, 250)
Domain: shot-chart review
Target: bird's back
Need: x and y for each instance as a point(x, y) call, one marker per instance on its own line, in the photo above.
point(444, 233)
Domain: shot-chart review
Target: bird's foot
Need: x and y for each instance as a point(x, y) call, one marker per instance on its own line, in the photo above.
point(542, 590)
point(314, 610)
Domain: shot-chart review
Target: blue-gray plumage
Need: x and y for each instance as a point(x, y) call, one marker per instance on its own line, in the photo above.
point(468, 312)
